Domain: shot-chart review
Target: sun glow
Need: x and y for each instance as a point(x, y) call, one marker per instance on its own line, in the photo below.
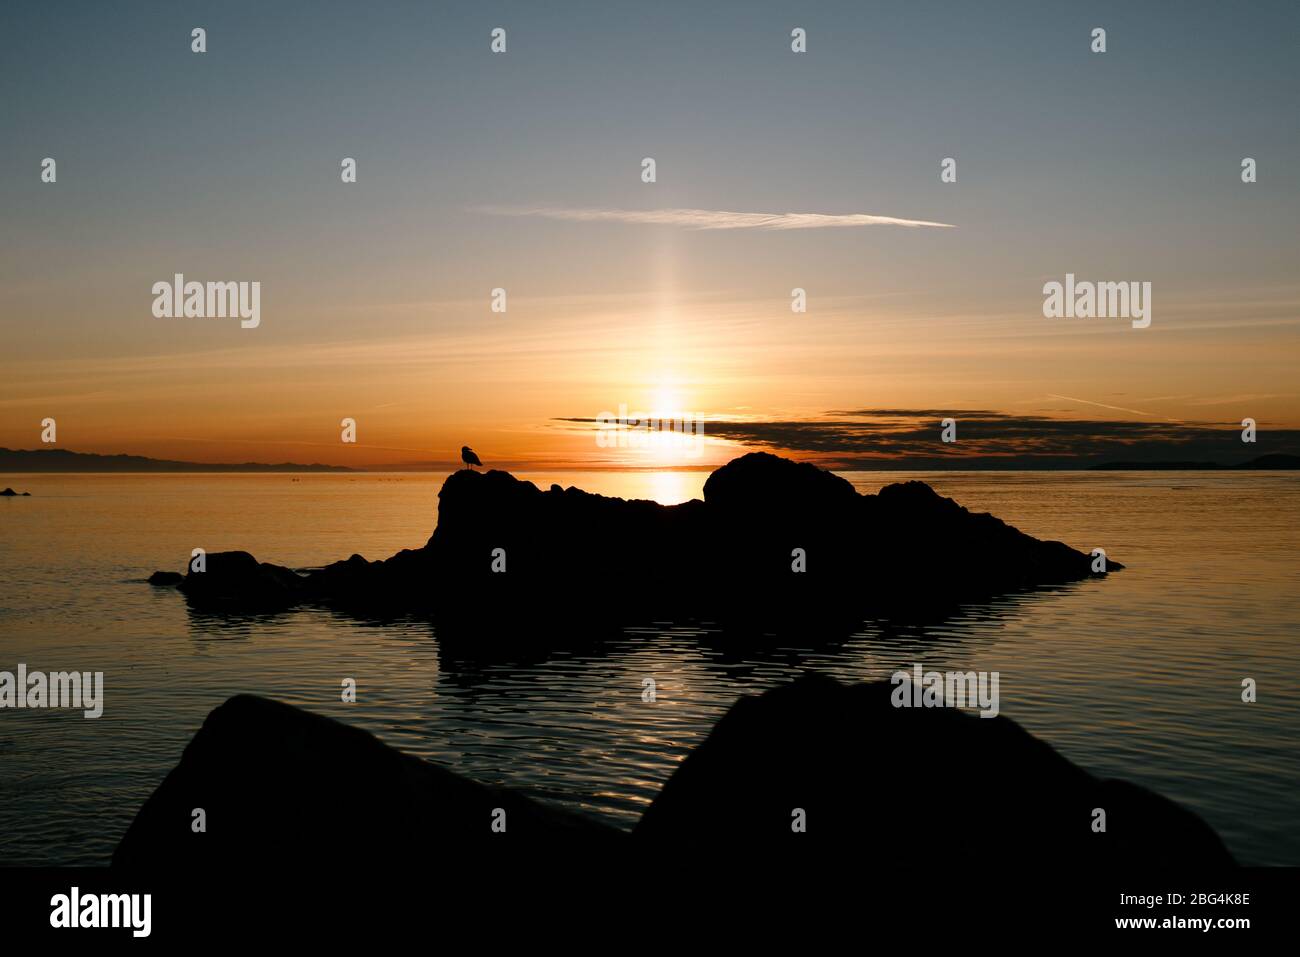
point(666, 403)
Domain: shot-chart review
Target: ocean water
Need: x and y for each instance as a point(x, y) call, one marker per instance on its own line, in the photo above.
point(1137, 676)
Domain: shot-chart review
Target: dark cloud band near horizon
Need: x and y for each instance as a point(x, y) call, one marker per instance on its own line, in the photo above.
point(871, 437)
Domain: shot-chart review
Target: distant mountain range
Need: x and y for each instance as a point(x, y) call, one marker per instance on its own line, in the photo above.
point(1277, 460)
point(62, 460)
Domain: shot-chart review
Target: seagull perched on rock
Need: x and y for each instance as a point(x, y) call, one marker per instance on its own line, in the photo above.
point(468, 457)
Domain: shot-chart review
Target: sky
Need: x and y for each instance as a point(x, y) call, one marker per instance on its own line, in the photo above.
point(522, 170)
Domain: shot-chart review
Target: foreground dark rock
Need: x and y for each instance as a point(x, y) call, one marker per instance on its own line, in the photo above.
point(930, 788)
point(280, 784)
point(10, 493)
point(913, 786)
point(905, 552)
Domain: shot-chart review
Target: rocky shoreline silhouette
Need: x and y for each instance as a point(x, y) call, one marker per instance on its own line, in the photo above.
point(906, 787)
point(774, 545)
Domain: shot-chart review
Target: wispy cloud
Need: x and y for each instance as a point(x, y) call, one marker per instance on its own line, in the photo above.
point(708, 218)
point(1101, 405)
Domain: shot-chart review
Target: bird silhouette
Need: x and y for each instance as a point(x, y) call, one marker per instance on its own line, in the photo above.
point(468, 457)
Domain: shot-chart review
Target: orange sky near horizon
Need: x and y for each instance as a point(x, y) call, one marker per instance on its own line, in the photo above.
point(501, 382)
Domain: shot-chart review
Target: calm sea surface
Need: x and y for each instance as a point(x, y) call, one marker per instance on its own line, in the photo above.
point(1137, 676)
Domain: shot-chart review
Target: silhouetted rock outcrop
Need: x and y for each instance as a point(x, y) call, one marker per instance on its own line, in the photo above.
point(910, 786)
point(278, 784)
point(918, 787)
point(10, 493)
point(237, 580)
point(166, 579)
point(775, 545)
